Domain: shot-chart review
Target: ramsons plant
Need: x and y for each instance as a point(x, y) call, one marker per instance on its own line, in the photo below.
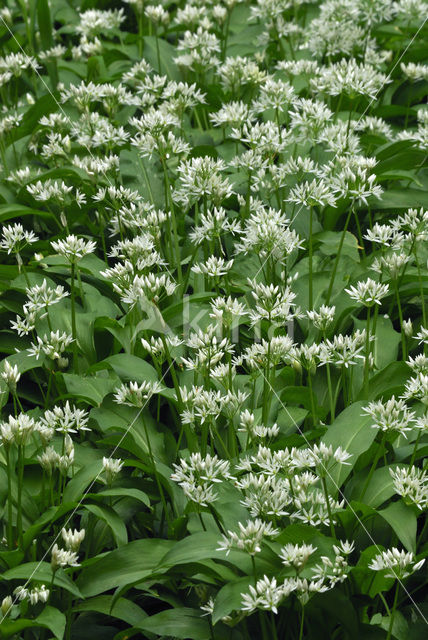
point(214, 367)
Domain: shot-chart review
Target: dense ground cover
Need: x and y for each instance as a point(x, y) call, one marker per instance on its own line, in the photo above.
point(214, 369)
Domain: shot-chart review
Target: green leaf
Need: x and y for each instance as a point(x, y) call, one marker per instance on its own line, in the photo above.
point(184, 623)
point(54, 620)
point(45, 23)
point(48, 517)
point(370, 582)
point(401, 199)
point(50, 618)
point(89, 389)
point(402, 519)
point(42, 107)
point(122, 609)
point(129, 367)
point(137, 560)
point(229, 598)
point(352, 431)
point(400, 626)
point(110, 517)
point(330, 241)
point(80, 481)
point(123, 492)
point(380, 489)
point(11, 211)
point(390, 381)
point(166, 54)
point(198, 546)
point(42, 571)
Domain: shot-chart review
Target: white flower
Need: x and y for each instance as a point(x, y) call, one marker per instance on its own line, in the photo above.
point(296, 555)
point(137, 395)
point(111, 467)
point(398, 564)
point(73, 539)
point(368, 292)
point(393, 415)
point(63, 558)
point(249, 536)
point(73, 248)
point(15, 238)
point(10, 375)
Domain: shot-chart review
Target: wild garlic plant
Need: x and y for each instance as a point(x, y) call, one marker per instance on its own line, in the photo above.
point(214, 370)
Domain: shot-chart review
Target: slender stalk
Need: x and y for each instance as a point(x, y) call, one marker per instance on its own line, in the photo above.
point(73, 316)
point(415, 448)
point(373, 467)
point(367, 359)
point(9, 498)
point(302, 622)
point(311, 393)
point(336, 262)
point(400, 315)
point(155, 471)
point(311, 292)
point(394, 606)
point(20, 531)
point(173, 220)
point(330, 515)
point(273, 625)
point(330, 393)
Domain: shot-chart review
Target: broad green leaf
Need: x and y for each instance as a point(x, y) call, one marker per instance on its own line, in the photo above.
point(402, 199)
point(368, 581)
point(229, 598)
point(137, 560)
point(183, 623)
point(80, 481)
point(166, 54)
point(400, 626)
point(122, 492)
point(390, 381)
point(11, 211)
point(330, 241)
point(129, 367)
point(42, 571)
point(352, 431)
point(50, 618)
point(54, 620)
point(122, 609)
point(52, 514)
point(89, 389)
point(402, 519)
point(379, 490)
point(112, 520)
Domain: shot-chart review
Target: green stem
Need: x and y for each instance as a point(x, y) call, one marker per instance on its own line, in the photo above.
point(311, 293)
point(173, 220)
point(394, 606)
point(367, 360)
point(373, 467)
point(73, 316)
point(330, 515)
point(330, 393)
point(336, 262)
point(9, 498)
point(302, 622)
point(415, 448)
point(158, 482)
point(20, 531)
point(400, 315)
point(311, 393)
